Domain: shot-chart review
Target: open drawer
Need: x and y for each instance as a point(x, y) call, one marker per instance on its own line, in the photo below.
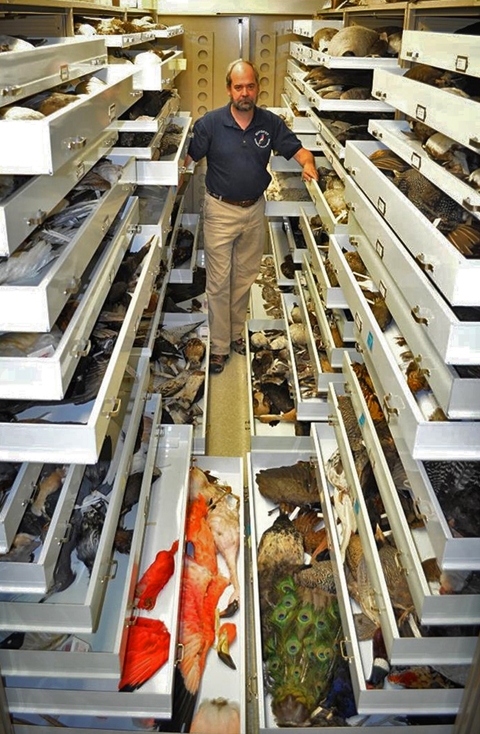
point(286, 193)
point(458, 394)
point(167, 170)
point(454, 275)
point(161, 75)
point(452, 115)
point(47, 377)
point(389, 698)
point(29, 205)
point(77, 609)
point(57, 61)
point(34, 304)
point(74, 431)
point(452, 51)
point(14, 500)
point(434, 603)
point(50, 142)
point(410, 415)
point(456, 337)
point(182, 272)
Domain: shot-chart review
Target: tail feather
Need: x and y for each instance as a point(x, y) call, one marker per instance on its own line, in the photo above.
point(184, 704)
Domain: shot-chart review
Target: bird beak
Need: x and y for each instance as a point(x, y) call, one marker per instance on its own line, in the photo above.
point(223, 651)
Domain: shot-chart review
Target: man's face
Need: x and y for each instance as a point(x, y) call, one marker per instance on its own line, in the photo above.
point(244, 89)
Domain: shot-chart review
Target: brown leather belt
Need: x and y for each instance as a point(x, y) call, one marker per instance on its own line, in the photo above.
point(245, 203)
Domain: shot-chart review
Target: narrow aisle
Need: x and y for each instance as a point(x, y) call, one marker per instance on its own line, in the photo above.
point(228, 431)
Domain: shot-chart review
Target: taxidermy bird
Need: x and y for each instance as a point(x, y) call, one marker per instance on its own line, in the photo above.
point(300, 624)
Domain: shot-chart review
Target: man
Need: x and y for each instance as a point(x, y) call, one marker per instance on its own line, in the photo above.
point(237, 141)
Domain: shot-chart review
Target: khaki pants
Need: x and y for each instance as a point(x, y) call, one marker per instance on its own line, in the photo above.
point(233, 242)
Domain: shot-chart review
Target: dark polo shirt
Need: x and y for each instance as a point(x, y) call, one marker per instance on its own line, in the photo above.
point(236, 158)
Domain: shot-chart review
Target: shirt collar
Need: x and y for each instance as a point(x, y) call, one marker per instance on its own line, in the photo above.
point(229, 121)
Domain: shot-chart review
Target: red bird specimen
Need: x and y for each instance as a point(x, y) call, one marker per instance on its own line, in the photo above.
point(155, 578)
point(147, 650)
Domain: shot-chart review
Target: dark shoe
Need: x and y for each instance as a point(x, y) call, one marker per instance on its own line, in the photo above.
point(238, 346)
point(217, 363)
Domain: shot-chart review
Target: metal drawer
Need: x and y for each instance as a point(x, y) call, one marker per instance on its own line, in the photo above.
point(295, 96)
point(171, 320)
point(321, 58)
point(332, 296)
point(77, 432)
point(456, 341)
point(166, 172)
point(344, 105)
point(430, 105)
point(345, 324)
point(312, 408)
point(27, 207)
point(47, 377)
point(296, 122)
point(459, 397)
point(184, 273)
point(263, 435)
point(454, 275)
point(35, 577)
point(280, 249)
point(158, 124)
point(59, 60)
point(78, 608)
point(36, 306)
point(13, 507)
point(432, 606)
point(334, 352)
point(452, 51)
point(286, 207)
point(157, 76)
point(303, 27)
point(392, 134)
point(386, 700)
point(425, 439)
point(302, 53)
point(49, 143)
point(169, 32)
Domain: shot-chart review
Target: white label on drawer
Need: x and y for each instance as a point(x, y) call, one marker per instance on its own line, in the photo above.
point(461, 63)
point(421, 112)
point(381, 206)
point(416, 161)
point(112, 111)
point(382, 288)
point(64, 72)
point(379, 248)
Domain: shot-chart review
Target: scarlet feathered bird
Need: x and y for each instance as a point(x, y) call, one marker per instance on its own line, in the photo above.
point(147, 651)
point(155, 577)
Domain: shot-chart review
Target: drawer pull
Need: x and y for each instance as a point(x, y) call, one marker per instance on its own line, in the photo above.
point(388, 410)
point(113, 574)
point(474, 142)
point(11, 91)
point(73, 287)
point(136, 93)
point(37, 218)
point(75, 143)
point(470, 207)
point(420, 260)
point(116, 407)
point(180, 653)
point(252, 688)
point(106, 223)
point(416, 316)
point(344, 650)
point(82, 349)
point(461, 63)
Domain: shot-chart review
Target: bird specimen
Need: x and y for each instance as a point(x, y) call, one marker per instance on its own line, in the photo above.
point(356, 40)
point(216, 716)
point(322, 37)
point(148, 644)
point(454, 484)
point(300, 625)
point(449, 217)
point(296, 483)
point(10, 43)
point(155, 578)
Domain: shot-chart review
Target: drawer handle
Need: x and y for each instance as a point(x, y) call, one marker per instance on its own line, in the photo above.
point(11, 91)
point(73, 287)
point(344, 651)
point(113, 574)
point(136, 93)
point(420, 260)
point(82, 352)
point(470, 207)
point(252, 688)
point(474, 142)
point(389, 410)
point(416, 316)
point(105, 223)
point(117, 402)
point(37, 218)
point(75, 143)
point(180, 653)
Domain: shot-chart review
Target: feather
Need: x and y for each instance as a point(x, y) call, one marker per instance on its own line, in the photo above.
point(147, 651)
point(25, 264)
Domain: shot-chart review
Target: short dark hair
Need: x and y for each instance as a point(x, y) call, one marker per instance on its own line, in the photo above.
point(241, 61)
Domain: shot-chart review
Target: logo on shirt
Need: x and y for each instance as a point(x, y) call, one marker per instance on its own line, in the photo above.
point(262, 138)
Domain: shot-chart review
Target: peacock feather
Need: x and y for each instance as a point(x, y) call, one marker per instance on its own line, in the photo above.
point(301, 629)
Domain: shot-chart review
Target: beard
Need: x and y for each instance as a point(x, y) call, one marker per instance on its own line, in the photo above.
point(244, 105)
